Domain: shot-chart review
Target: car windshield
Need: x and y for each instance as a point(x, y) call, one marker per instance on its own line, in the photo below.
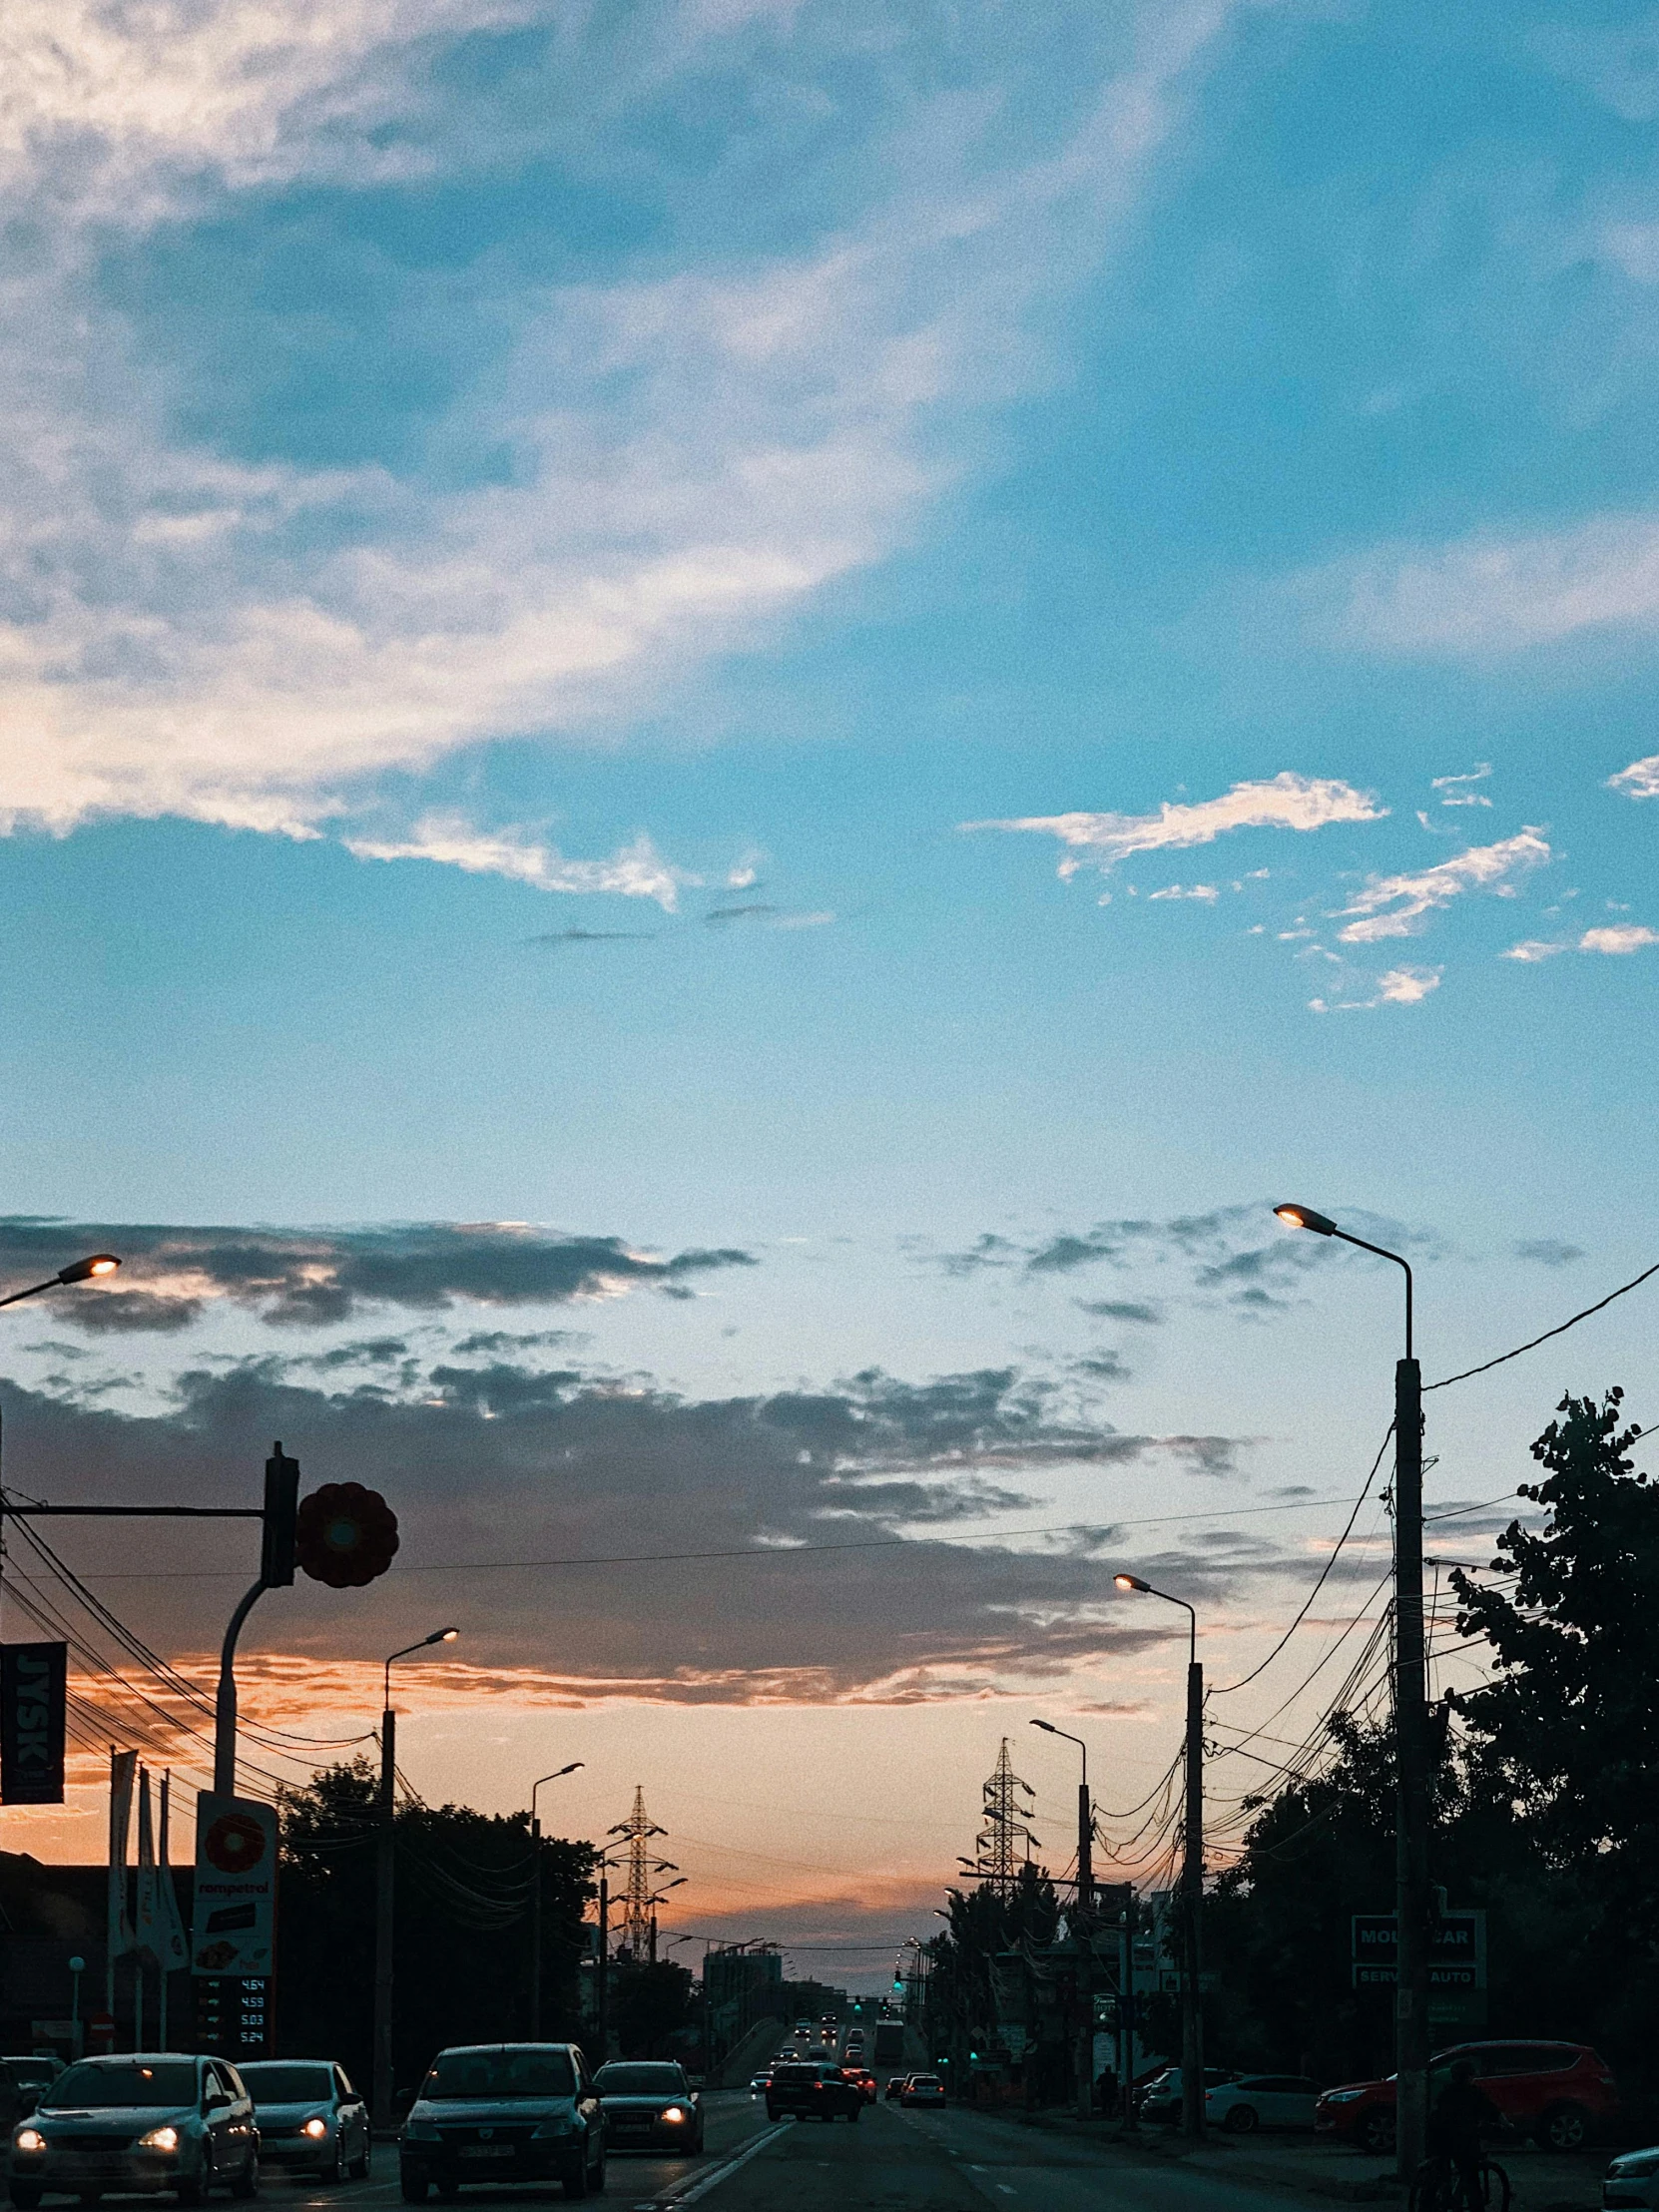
point(127, 2081)
point(272, 2082)
point(640, 2081)
point(501, 2074)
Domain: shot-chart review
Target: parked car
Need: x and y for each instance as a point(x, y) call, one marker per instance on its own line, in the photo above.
point(1159, 2100)
point(895, 2089)
point(503, 2112)
point(310, 2119)
point(1262, 2100)
point(33, 2073)
point(1559, 2093)
point(920, 2089)
point(649, 2104)
point(1632, 2181)
point(145, 2121)
point(813, 2092)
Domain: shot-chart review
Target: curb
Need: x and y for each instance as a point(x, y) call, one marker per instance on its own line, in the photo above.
point(1371, 2189)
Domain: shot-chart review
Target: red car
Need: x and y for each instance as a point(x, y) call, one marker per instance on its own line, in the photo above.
point(865, 2081)
point(1560, 2094)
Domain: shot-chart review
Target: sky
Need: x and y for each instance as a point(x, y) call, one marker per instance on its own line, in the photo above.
point(611, 621)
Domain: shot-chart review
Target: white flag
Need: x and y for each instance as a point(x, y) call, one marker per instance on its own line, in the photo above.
point(122, 1764)
point(174, 1948)
point(146, 1938)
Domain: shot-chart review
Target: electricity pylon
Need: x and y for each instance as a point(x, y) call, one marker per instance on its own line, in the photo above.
point(998, 1847)
point(637, 1831)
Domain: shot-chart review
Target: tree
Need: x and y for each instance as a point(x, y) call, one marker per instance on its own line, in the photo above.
point(649, 2004)
point(462, 1958)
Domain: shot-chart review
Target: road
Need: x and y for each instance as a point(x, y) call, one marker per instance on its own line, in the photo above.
point(892, 2161)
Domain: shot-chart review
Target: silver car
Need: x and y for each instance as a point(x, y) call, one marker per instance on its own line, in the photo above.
point(1632, 2180)
point(310, 2119)
point(143, 2121)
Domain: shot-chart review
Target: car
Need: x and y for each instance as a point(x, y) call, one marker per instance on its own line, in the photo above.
point(1159, 2100)
point(922, 2088)
point(1262, 2100)
point(1558, 2093)
point(757, 2082)
point(813, 2092)
point(146, 2121)
point(865, 2081)
point(1632, 2181)
point(310, 2119)
point(499, 2112)
point(649, 2104)
point(895, 2089)
point(33, 2073)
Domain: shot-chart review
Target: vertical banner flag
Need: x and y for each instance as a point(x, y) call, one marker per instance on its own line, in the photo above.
point(235, 1886)
point(32, 1682)
point(147, 1913)
point(173, 1951)
point(122, 1764)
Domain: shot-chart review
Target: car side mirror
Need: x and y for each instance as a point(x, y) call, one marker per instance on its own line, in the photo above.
point(216, 2100)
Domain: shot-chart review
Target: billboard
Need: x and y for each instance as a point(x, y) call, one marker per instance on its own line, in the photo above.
point(233, 1930)
point(32, 1681)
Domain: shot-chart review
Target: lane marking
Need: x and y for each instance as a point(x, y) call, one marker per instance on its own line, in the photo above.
point(713, 2177)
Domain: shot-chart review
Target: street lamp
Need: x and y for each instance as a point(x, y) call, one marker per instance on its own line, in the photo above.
point(557, 1775)
point(1412, 1899)
point(1192, 1872)
point(1085, 1815)
point(655, 1898)
point(384, 1880)
point(79, 1271)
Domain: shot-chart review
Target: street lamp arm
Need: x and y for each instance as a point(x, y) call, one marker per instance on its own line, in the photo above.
point(79, 1270)
point(1382, 1253)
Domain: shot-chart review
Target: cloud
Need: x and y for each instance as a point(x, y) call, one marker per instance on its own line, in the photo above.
point(1532, 949)
point(1401, 987)
point(1492, 594)
point(1396, 906)
point(1120, 1308)
point(636, 872)
point(1624, 936)
point(170, 1276)
point(553, 938)
point(1283, 801)
point(684, 444)
point(1208, 892)
point(1454, 787)
point(1548, 1252)
point(506, 1465)
point(1614, 64)
point(1639, 781)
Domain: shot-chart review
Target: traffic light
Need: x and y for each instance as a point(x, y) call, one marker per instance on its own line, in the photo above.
point(345, 1536)
point(281, 1506)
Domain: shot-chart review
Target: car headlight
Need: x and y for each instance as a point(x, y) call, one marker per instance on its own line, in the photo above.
point(674, 2114)
point(556, 2128)
point(160, 2139)
point(315, 2130)
point(420, 2131)
point(1636, 2168)
point(29, 2139)
point(1340, 2097)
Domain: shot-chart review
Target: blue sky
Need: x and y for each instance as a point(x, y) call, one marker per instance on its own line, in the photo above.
point(830, 632)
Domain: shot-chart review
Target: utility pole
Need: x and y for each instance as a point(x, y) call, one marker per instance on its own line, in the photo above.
point(535, 1895)
point(1412, 1903)
point(385, 1868)
point(602, 1992)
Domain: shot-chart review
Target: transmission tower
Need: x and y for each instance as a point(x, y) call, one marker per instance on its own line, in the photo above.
point(639, 1905)
point(999, 1853)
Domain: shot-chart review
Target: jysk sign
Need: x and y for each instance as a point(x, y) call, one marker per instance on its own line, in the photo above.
point(32, 1683)
point(1456, 1950)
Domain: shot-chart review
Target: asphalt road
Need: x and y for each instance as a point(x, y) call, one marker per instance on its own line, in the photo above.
point(892, 2161)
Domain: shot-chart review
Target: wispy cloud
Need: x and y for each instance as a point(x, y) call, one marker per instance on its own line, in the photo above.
point(1639, 781)
point(1532, 951)
point(636, 872)
point(1286, 800)
point(1623, 936)
point(1455, 790)
point(1207, 893)
point(1397, 905)
point(1401, 987)
point(1492, 594)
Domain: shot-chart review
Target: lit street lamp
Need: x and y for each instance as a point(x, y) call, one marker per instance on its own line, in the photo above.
point(79, 1271)
point(1192, 1872)
point(1412, 1895)
point(384, 1881)
point(557, 1775)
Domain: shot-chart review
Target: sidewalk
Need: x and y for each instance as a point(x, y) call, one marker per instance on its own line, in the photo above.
point(1542, 2181)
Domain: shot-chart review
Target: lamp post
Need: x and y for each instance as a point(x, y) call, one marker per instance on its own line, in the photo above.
point(384, 1881)
point(76, 1967)
point(653, 1901)
point(1192, 1873)
point(1085, 1903)
point(79, 1270)
point(1412, 1894)
point(557, 1775)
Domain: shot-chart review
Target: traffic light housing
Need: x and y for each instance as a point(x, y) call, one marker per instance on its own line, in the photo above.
point(282, 1508)
point(345, 1536)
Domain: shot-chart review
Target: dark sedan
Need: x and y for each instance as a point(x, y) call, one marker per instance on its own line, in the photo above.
point(148, 2121)
point(649, 2105)
point(813, 2092)
point(497, 2112)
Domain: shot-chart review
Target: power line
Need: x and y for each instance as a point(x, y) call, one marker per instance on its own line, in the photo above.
point(1559, 1329)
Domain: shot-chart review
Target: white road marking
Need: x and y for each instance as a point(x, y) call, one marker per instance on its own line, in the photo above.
point(713, 2179)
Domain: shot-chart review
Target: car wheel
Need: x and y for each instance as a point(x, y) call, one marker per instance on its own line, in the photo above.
point(1376, 2133)
point(1240, 2118)
point(334, 2173)
point(1564, 2127)
point(247, 2183)
point(360, 2168)
point(24, 2195)
point(412, 2187)
point(192, 2188)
